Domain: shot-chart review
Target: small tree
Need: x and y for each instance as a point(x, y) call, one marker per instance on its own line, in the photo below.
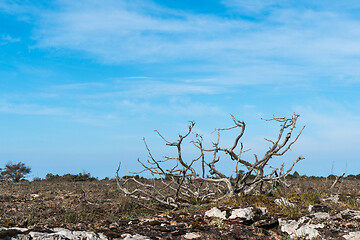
point(14, 172)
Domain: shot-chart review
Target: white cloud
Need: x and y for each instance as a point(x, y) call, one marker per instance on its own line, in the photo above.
point(78, 86)
point(5, 39)
point(93, 117)
point(139, 88)
point(30, 109)
point(290, 43)
point(248, 6)
point(10, 39)
point(295, 40)
point(156, 89)
point(139, 77)
point(258, 6)
point(175, 107)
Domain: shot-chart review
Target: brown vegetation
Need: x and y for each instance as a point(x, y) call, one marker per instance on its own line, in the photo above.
point(100, 206)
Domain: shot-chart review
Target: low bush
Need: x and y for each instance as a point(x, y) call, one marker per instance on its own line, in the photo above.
point(80, 177)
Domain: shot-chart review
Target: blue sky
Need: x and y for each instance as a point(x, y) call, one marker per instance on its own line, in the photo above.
point(81, 82)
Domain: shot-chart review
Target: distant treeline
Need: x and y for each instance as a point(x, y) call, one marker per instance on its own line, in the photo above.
point(80, 177)
point(87, 177)
point(330, 177)
point(295, 175)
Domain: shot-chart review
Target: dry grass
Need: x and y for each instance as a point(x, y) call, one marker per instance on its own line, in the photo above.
point(64, 203)
point(303, 192)
point(98, 204)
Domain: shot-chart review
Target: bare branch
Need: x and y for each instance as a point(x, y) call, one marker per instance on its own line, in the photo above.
point(182, 182)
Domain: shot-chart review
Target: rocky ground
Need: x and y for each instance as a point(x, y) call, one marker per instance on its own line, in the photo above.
point(216, 223)
point(95, 210)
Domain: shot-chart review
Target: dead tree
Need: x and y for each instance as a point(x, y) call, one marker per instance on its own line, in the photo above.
point(184, 184)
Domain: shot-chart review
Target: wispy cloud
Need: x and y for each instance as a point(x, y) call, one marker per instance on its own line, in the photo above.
point(5, 39)
point(174, 107)
point(30, 109)
point(156, 89)
point(294, 41)
point(92, 117)
point(258, 6)
point(287, 42)
point(138, 88)
point(139, 77)
point(9, 38)
point(78, 86)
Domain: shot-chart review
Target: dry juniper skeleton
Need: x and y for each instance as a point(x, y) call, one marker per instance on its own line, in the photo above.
point(183, 184)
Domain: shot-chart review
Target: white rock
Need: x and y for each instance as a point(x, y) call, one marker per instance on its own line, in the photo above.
point(192, 235)
point(288, 226)
point(215, 212)
point(89, 235)
point(19, 229)
point(352, 236)
point(321, 215)
point(61, 233)
point(293, 228)
point(34, 195)
point(243, 213)
point(134, 237)
point(284, 202)
point(46, 236)
point(307, 232)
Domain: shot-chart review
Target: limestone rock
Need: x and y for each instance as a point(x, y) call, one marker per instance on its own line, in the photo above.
point(47, 236)
point(242, 213)
point(215, 212)
point(134, 237)
point(57, 234)
point(192, 236)
point(288, 226)
point(296, 230)
point(307, 232)
point(247, 214)
point(352, 236)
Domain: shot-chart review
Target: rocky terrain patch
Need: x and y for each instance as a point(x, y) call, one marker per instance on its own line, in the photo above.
point(97, 210)
point(216, 223)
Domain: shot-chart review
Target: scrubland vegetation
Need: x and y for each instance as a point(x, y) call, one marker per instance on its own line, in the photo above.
point(82, 202)
point(95, 204)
